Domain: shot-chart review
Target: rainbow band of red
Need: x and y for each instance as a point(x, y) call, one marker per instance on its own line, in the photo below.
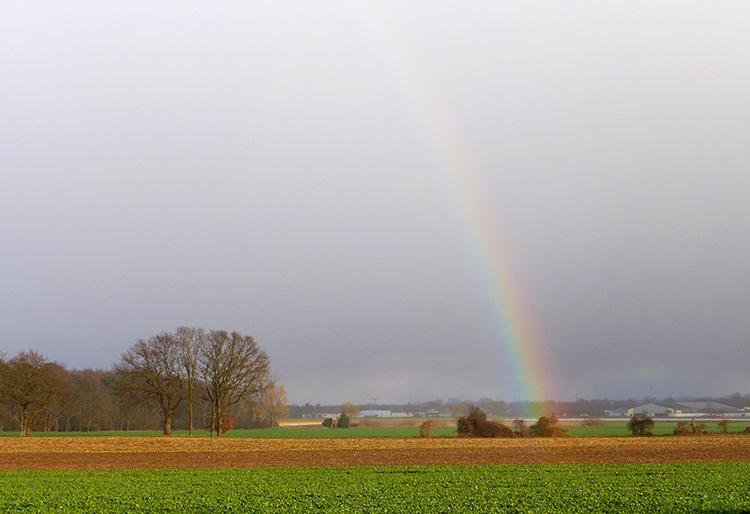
point(515, 325)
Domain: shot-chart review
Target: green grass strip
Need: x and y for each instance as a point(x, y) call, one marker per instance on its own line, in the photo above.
point(612, 428)
point(265, 433)
point(624, 488)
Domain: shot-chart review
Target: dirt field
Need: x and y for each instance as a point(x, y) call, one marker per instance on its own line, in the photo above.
point(183, 452)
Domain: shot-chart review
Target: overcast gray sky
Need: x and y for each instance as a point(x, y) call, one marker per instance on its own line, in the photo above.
point(273, 168)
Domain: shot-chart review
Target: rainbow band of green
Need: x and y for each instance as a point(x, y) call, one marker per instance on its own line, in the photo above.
point(514, 322)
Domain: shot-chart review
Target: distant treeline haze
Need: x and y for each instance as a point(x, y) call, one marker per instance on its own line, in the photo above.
point(209, 380)
point(497, 408)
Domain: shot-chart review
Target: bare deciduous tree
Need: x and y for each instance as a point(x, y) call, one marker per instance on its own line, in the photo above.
point(152, 369)
point(233, 368)
point(90, 406)
point(29, 382)
point(190, 341)
point(457, 410)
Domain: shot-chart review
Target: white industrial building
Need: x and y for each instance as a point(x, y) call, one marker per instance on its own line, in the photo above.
point(686, 410)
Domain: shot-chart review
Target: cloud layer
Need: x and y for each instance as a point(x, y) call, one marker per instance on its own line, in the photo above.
point(265, 168)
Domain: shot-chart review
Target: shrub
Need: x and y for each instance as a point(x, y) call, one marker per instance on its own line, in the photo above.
point(694, 428)
point(699, 428)
point(724, 426)
point(426, 427)
point(521, 429)
point(328, 422)
point(468, 425)
point(227, 424)
point(343, 421)
point(547, 427)
point(641, 425)
point(494, 429)
point(593, 421)
point(475, 424)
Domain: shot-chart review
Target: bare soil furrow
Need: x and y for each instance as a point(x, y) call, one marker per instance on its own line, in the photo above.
point(181, 453)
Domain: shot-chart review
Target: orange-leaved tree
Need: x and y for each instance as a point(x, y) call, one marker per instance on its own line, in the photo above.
point(274, 405)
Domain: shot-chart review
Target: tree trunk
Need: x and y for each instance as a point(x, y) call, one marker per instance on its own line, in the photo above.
point(219, 417)
point(213, 418)
point(218, 421)
point(190, 407)
point(168, 423)
point(24, 426)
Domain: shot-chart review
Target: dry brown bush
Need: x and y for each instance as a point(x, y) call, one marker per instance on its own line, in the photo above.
point(227, 424)
point(593, 421)
point(521, 429)
point(426, 427)
point(547, 427)
point(693, 429)
point(476, 424)
point(468, 425)
point(641, 425)
point(494, 429)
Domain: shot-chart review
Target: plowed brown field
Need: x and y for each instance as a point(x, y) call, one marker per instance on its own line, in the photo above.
point(183, 452)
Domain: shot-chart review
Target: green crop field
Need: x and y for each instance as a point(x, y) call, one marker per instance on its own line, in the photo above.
point(618, 428)
point(712, 487)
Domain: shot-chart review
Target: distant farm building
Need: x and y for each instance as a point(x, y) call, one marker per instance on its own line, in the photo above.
point(383, 413)
point(687, 410)
point(321, 415)
point(374, 413)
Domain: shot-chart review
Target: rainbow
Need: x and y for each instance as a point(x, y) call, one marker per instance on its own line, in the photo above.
point(515, 326)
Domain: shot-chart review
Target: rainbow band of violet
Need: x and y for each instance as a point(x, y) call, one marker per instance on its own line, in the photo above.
point(515, 325)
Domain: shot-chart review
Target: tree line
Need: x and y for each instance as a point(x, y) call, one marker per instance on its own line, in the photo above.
point(454, 407)
point(191, 378)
